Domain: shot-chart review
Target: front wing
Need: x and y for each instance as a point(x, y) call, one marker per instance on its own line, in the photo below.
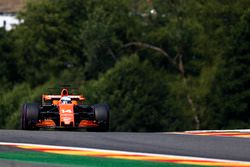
point(52, 124)
point(49, 117)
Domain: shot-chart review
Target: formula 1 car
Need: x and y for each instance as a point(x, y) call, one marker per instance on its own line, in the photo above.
point(65, 111)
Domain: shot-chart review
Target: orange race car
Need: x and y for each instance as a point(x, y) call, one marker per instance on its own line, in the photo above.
point(65, 111)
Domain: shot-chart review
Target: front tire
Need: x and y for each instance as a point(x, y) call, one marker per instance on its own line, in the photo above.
point(30, 116)
point(102, 117)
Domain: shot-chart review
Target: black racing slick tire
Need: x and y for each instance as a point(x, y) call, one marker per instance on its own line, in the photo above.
point(30, 116)
point(102, 117)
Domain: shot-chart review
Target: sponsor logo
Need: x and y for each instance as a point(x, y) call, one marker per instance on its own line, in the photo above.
point(66, 111)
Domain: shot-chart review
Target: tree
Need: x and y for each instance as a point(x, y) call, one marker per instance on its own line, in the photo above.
point(184, 53)
point(47, 42)
point(139, 98)
point(8, 74)
point(174, 28)
point(229, 101)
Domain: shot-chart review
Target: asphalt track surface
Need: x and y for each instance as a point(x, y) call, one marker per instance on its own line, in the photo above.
point(228, 148)
point(5, 163)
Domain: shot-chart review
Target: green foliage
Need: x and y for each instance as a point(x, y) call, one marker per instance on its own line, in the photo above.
point(230, 99)
point(138, 96)
point(11, 103)
point(7, 63)
point(82, 43)
point(98, 36)
point(48, 40)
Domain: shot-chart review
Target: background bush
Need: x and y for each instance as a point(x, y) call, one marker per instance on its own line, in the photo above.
point(160, 65)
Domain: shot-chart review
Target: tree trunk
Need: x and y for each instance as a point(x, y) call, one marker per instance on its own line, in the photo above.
point(189, 98)
point(178, 64)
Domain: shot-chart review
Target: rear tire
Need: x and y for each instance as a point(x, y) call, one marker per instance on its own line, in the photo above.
point(102, 117)
point(30, 116)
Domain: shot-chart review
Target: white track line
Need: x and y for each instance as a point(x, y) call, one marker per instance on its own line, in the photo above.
point(123, 152)
point(239, 130)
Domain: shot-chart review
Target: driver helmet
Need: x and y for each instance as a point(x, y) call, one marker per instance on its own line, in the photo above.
point(66, 100)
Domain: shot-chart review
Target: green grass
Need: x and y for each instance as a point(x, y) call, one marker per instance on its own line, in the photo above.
point(84, 161)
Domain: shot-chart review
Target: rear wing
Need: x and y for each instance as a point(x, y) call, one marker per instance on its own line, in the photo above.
point(58, 97)
point(53, 99)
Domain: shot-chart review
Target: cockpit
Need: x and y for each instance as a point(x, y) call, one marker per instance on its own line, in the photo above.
point(66, 100)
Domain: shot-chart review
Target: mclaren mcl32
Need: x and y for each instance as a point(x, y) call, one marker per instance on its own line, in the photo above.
point(65, 111)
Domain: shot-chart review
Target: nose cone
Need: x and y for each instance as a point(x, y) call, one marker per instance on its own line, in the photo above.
point(66, 114)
